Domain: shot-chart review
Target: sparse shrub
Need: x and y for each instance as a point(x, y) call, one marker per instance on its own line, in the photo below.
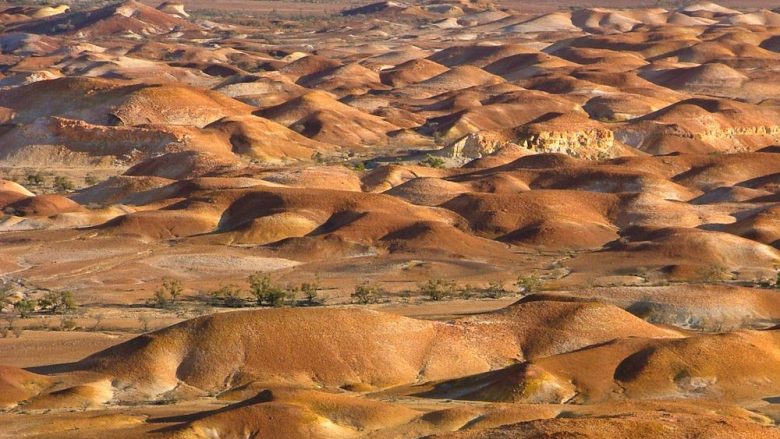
point(714, 273)
point(58, 302)
point(17, 330)
point(91, 180)
point(437, 289)
point(310, 292)
point(98, 320)
point(495, 290)
point(4, 331)
point(359, 166)
point(228, 295)
point(265, 292)
point(35, 179)
point(63, 184)
point(366, 293)
point(159, 299)
point(528, 284)
point(167, 295)
point(433, 162)
point(467, 291)
point(25, 308)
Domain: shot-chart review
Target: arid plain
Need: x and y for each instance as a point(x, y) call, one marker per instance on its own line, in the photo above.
point(391, 220)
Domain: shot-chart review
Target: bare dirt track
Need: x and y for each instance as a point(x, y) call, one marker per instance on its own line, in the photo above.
point(460, 219)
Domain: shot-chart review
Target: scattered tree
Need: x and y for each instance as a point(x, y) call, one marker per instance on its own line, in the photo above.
point(229, 296)
point(433, 162)
point(528, 284)
point(58, 302)
point(714, 273)
point(495, 290)
point(35, 179)
point(310, 291)
point(63, 184)
point(25, 307)
point(168, 294)
point(265, 292)
point(437, 289)
point(366, 293)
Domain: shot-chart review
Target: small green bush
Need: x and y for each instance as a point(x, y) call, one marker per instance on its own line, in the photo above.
point(265, 292)
point(433, 162)
point(35, 179)
point(63, 184)
point(25, 307)
point(310, 292)
point(438, 289)
point(528, 284)
point(228, 295)
point(495, 290)
point(167, 295)
point(366, 293)
point(58, 302)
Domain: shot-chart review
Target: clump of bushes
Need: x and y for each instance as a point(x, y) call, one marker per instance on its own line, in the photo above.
point(167, 296)
point(228, 296)
point(433, 162)
point(265, 292)
point(529, 283)
point(366, 293)
point(310, 292)
point(437, 289)
point(58, 302)
point(714, 273)
point(35, 179)
point(63, 184)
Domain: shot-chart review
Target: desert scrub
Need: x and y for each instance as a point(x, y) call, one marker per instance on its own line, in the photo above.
point(63, 184)
point(438, 289)
point(58, 302)
point(529, 283)
point(433, 162)
point(366, 293)
point(167, 295)
point(265, 291)
point(227, 296)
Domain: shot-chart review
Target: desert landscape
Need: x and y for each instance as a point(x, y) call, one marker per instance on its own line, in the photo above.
point(426, 219)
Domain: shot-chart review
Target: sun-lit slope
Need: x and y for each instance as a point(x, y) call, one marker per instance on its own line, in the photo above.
point(636, 420)
point(126, 17)
point(111, 102)
point(18, 384)
point(319, 116)
point(231, 349)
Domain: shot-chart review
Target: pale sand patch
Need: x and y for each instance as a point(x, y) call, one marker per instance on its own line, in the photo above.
point(212, 263)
